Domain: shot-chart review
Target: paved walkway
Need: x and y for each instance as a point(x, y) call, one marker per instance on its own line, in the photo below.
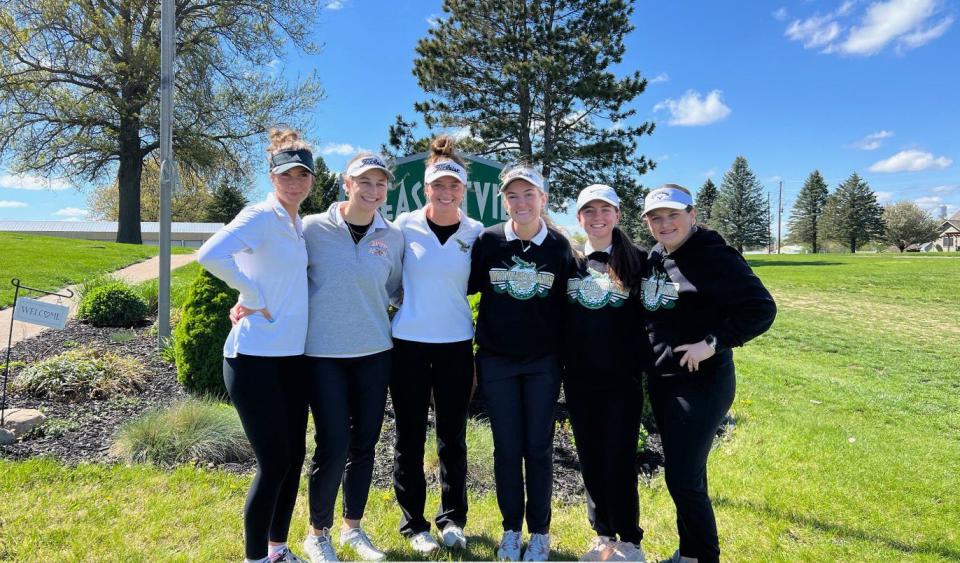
point(137, 273)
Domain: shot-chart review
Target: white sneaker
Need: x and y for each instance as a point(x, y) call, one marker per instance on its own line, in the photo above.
point(538, 548)
point(598, 546)
point(284, 556)
point(424, 543)
point(320, 548)
point(357, 539)
point(509, 548)
point(453, 536)
point(626, 551)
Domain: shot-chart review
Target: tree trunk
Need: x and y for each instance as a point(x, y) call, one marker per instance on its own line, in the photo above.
point(853, 245)
point(128, 180)
point(814, 246)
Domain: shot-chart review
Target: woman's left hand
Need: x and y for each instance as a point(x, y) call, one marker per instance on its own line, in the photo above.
point(694, 354)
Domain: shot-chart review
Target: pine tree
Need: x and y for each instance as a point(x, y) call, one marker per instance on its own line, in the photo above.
point(805, 219)
point(228, 200)
point(706, 198)
point(325, 190)
point(740, 213)
point(852, 215)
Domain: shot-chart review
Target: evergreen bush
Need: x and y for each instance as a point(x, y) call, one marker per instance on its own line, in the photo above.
point(200, 334)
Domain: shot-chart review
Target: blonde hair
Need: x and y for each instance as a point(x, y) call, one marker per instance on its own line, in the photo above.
point(285, 139)
point(543, 210)
point(444, 147)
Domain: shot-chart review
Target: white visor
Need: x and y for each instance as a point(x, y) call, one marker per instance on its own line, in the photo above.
point(523, 173)
point(669, 198)
point(369, 162)
point(445, 168)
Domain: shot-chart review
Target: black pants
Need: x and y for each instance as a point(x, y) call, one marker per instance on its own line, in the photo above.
point(605, 413)
point(688, 410)
point(521, 398)
point(268, 393)
point(446, 370)
point(347, 397)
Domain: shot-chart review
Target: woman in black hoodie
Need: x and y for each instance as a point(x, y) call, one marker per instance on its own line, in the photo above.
point(701, 299)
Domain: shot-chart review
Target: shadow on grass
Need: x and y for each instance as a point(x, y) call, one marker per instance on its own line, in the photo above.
point(839, 530)
point(479, 548)
point(758, 263)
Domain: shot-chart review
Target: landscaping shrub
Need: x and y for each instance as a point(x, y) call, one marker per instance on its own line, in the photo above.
point(83, 373)
point(193, 430)
point(112, 304)
point(200, 334)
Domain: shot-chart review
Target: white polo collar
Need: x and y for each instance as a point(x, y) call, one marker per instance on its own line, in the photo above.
point(277, 207)
point(588, 250)
point(378, 222)
point(537, 239)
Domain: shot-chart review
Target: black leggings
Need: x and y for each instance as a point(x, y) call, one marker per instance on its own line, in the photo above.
point(688, 410)
point(347, 397)
point(446, 371)
point(268, 394)
point(605, 412)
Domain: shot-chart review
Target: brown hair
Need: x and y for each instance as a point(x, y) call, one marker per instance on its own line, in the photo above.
point(626, 262)
point(444, 147)
point(285, 139)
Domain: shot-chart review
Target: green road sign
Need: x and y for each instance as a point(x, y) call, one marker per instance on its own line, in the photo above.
point(481, 201)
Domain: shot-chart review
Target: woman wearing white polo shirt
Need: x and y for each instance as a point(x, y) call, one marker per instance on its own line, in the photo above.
point(261, 253)
point(433, 350)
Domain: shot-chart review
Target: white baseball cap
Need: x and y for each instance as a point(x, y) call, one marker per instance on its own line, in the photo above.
point(667, 196)
point(445, 168)
point(595, 192)
point(523, 173)
point(368, 162)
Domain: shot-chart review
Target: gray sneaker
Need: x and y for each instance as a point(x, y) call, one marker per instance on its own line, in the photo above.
point(320, 548)
point(538, 548)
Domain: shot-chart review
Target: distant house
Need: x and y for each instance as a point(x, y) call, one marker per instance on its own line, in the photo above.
point(949, 238)
point(190, 235)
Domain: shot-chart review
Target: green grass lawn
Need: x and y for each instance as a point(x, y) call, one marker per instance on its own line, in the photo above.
point(52, 262)
point(847, 446)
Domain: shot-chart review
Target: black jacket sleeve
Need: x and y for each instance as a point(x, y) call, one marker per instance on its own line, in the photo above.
point(477, 273)
point(746, 308)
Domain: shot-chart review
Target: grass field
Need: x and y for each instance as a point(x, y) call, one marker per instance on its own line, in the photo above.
point(51, 262)
point(847, 446)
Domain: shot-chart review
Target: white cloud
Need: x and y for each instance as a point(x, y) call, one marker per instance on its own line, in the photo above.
point(872, 141)
point(781, 14)
point(883, 197)
point(71, 213)
point(907, 24)
point(343, 149)
point(692, 110)
point(335, 5)
point(662, 77)
point(910, 161)
point(944, 189)
point(460, 133)
point(6, 204)
point(33, 183)
point(709, 173)
point(929, 202)
point(433, 20)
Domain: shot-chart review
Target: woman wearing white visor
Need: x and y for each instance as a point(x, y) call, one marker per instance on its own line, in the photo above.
point(433, 350)
point(701, 300)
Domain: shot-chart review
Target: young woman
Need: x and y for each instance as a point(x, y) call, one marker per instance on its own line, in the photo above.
point(701, 300)
point(601, 376)
point(520, 267)
point(261, 253)
point(354, 268)
point(433, 350)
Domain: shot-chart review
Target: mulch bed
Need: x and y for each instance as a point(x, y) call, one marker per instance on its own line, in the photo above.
point(83, 431)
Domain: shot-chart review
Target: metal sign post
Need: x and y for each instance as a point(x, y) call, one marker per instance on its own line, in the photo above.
point(167, 163)
point(53, 316)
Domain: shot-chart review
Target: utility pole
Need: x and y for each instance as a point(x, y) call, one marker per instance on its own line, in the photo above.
point(779, 214)
point(769, 225)
point(167, 166)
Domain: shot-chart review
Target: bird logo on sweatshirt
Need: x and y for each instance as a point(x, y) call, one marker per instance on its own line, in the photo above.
point(464, 247)
point(595, 290)
point(658, 291)
point(522, 280)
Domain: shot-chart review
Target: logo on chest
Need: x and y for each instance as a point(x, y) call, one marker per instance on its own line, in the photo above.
point(378, 247)
point(595, 290)
point(522, 280)
point(659, 292)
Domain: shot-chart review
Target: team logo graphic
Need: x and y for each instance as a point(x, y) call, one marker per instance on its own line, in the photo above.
point(378, 247)
point(595, 290)
point(464, 247)
point(522, 280)
point(658, 291)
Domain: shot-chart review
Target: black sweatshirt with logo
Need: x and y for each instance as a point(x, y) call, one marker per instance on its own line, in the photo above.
point(703, 288)
point(523, 286)
point(603, 330)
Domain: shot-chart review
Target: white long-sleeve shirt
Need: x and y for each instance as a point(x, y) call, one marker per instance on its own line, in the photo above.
point(262, 254)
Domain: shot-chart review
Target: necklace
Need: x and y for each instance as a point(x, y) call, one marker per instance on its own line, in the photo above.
point(524, 248)
point(357, 234)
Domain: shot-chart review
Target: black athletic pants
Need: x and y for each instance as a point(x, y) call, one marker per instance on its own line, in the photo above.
point(446, 370)
point(688, 410)
point(605, 410)
point(347, 398)
point(268, 393)
point(521, 398)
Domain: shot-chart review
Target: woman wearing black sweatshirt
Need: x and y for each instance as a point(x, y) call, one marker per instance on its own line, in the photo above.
point(701, 300)
point(602, 356)
point(520, 268)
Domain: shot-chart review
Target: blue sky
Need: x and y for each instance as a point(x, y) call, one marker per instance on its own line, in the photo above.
point(834, 85)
